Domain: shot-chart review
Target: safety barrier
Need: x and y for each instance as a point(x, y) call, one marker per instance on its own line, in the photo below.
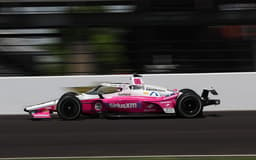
point(237, 91)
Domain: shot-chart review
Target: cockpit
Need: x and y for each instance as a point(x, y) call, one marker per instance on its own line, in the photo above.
point(136, 87)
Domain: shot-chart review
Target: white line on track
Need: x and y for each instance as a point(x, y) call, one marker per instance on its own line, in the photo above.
point(146, 156)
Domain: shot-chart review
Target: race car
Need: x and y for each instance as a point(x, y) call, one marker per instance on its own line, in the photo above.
point(109, 99)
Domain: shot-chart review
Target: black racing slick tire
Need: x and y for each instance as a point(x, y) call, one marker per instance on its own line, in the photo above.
point(69, 107)
point(186, 91)
point(189, 105)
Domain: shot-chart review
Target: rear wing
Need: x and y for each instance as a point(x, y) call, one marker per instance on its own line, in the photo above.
point(205, 98)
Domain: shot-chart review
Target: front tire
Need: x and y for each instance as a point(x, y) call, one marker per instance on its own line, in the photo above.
point(189, 106)
point(69, 107)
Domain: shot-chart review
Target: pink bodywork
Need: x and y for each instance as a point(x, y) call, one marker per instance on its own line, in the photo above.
point(130, 104)
point(137, 81)
point(41, 114)
point(119, 104)
point(139, 104)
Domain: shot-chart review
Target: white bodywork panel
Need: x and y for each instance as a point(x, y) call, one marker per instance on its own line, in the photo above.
point(42, 105)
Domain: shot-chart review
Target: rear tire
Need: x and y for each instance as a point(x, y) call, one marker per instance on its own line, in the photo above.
point(189, 105)
point(186, 91)
point(69, 107)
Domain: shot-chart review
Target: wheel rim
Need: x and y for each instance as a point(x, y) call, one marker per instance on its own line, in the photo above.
point(69, 108)
point(190, 106)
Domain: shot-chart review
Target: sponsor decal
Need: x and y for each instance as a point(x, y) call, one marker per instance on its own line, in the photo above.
point(169, 110)
point(98, 106)
point(155, 89)
point(154, 94)
point(145, 92)
point(125, 105)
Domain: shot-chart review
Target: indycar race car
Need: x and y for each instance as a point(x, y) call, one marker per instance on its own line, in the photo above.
point(126, 99)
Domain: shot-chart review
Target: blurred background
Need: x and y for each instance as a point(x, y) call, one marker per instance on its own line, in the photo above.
point(79, 37)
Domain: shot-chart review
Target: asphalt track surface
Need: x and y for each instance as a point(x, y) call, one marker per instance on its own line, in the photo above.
point(216, 133)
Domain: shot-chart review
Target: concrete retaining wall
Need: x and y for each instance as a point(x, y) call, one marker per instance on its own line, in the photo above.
point(237, 91)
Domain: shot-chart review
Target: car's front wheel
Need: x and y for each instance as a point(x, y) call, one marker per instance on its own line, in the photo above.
point(188, 105)
point(69, 107)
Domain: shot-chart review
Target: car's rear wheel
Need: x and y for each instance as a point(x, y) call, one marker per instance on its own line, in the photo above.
point(69, 107)
point(186, 91)
point(188, 105)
